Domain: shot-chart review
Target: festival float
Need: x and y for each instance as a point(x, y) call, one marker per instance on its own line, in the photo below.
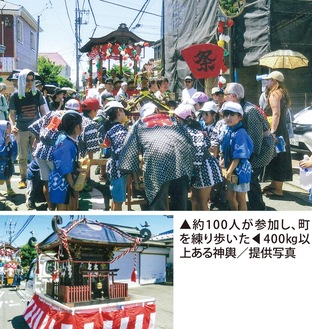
point(79, 289)
point(9, 257)
point(121, 45)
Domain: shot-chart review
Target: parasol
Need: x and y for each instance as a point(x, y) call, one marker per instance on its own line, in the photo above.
point(69, 90)
point(14, 76)
point(50, 89)
point(284, 59)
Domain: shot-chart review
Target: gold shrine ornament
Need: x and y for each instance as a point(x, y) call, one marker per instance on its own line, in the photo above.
point(232, 8)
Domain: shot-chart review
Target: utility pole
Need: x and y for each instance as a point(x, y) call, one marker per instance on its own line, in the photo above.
point(78, 22)
point(77, 36)
point(37, 42)
point(10, 231)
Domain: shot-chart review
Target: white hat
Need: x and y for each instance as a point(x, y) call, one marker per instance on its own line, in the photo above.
point(72, 104)
point(216, 90)
point(232, 107)
point(209, 106)
point(184, 111)
point(147, 109)
point(124, 84)
point(113, 104)
point(101, 86)
point(276, 75)
point(188, 78)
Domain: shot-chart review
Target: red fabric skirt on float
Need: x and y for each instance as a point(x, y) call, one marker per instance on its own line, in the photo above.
point(44, 315)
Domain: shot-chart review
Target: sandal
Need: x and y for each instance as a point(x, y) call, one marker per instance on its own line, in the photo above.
point(272, 195)
point(267, 188)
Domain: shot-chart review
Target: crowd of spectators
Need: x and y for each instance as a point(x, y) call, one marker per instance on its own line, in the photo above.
point(188, 152)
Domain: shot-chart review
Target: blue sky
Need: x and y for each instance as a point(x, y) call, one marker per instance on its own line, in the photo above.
point(41, 224)
point(58, 23)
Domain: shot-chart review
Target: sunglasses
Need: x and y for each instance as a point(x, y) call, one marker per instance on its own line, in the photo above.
point(29, 80)
point(188, 81)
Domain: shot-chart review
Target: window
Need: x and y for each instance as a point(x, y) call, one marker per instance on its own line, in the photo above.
point(20, 31)
point(32, 41)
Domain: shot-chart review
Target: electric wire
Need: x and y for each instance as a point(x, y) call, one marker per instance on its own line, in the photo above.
point(68, 16)
point(95, 23)
point(21, 230)
point(144, 6)
point(118, 5)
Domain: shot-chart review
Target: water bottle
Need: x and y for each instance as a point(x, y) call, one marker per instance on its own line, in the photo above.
point(306, 176)
point(280, 146)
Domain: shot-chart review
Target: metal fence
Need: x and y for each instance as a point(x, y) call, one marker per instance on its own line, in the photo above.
point(299, 101)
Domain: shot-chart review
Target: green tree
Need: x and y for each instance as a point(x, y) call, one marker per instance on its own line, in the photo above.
point(63, 82)
point(49, 72)
point(125, 70)
point(28, 254)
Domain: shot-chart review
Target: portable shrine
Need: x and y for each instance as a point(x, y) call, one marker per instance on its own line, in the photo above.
point(84, 271)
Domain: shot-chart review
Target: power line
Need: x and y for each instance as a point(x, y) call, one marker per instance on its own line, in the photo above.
point(115, 4)
point(144, 6)
point(90, 6)
point(68, 16)
point(15, 236)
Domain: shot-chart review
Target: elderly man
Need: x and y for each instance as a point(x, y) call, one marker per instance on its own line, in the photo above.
point(122, 95)
point(258, 129)
point(168, 154)
point(189, 90)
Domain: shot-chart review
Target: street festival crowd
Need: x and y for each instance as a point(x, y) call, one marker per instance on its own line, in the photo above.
point(203, 152)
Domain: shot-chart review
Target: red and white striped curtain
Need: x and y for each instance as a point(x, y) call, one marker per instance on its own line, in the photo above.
point(40, 314)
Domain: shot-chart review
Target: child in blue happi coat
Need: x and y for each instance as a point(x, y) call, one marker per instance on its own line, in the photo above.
point(236, 148)
point(7, 150)
point(65, 159)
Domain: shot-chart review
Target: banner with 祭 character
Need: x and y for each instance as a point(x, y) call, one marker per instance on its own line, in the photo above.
point(204, 60)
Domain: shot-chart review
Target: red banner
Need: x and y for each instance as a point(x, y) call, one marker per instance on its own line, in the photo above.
point(204, 60)
point(40, 314)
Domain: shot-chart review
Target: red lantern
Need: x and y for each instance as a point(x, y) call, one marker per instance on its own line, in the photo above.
point(115, 49)
point(220, 29)
point(230, 22)
point(102, 51)
point(129, 50)
point(221, 24)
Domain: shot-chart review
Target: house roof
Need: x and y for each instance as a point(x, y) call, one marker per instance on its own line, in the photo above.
point(54, 57)
point(9, 8)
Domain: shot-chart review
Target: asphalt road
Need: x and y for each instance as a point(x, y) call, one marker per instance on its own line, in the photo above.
point(295, 198)
point(11, 308)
